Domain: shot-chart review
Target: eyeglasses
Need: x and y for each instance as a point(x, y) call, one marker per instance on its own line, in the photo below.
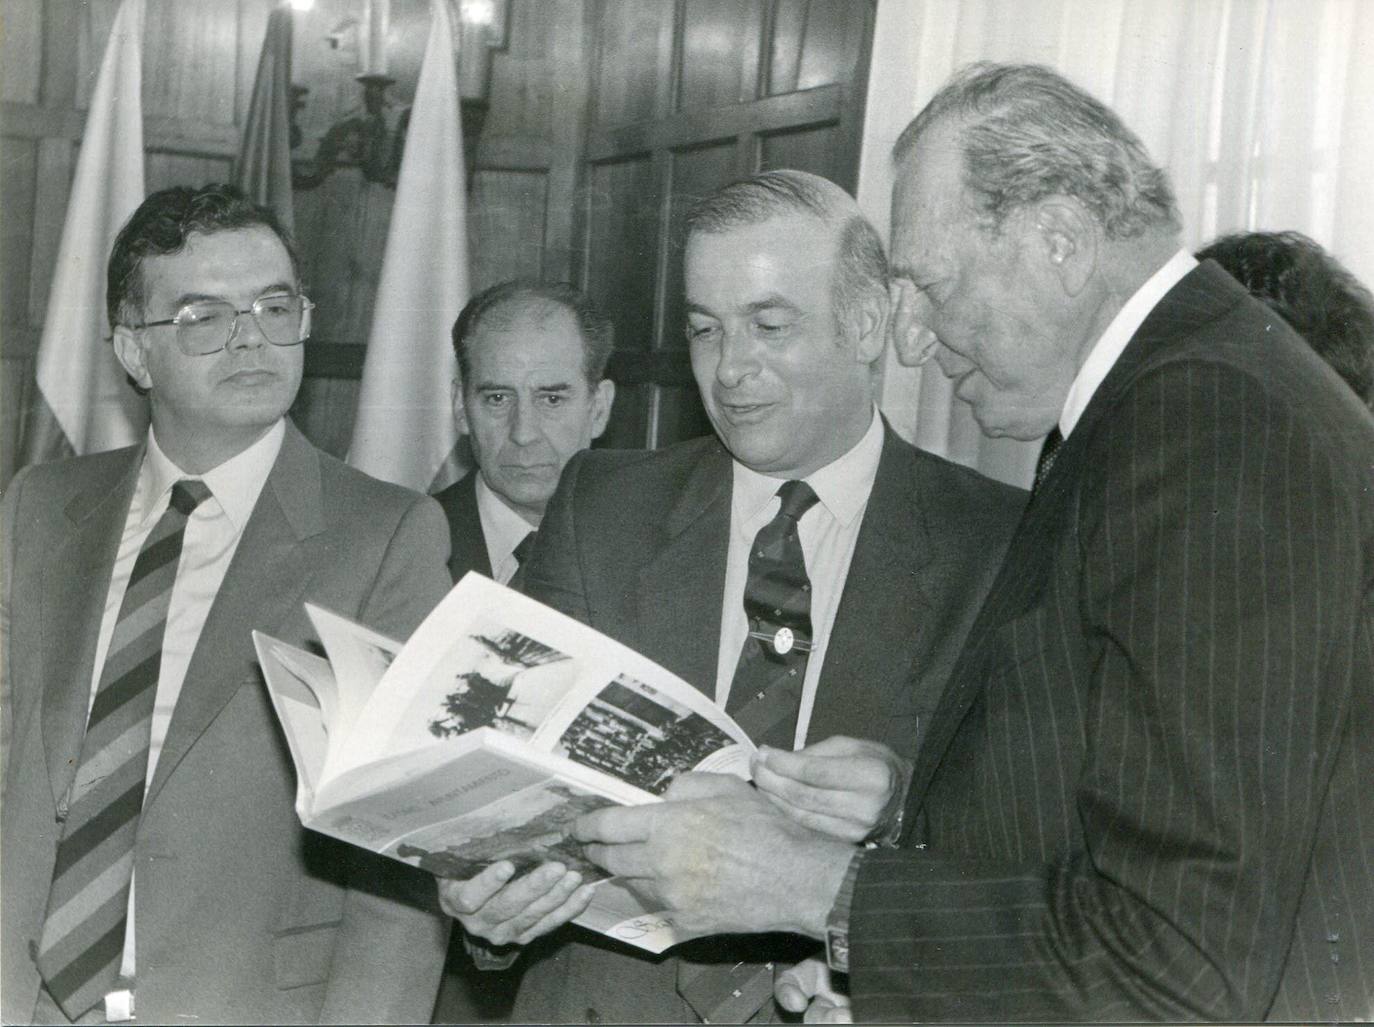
point(208, 326)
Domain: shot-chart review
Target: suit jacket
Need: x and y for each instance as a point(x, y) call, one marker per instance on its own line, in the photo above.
point(1147, 790)
point(635, 545)
point(467, 543)
point(241, 914)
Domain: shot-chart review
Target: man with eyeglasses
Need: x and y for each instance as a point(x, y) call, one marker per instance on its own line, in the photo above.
point(153, 864)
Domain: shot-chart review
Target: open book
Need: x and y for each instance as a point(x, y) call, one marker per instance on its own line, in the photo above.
point(482, 738)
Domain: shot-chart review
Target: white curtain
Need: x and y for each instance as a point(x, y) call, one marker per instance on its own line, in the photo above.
point(1261, 110)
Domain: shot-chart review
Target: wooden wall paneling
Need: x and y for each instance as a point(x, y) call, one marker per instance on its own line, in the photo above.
point(623, 218)
point(18, 186)
point(506, 223)
point(686, 128)
point(324, 411)
point(341, 231)
point(93, 32)
point(190, 69)
point(720, 52)
point(56, 165)
point(63, 25)
point(680, 414)
point(570, 70)
point(633, 66)
point(535, 124)
point(21, 51)
point(523, 80)
point(16, 380)
point(630, 419)
point(815, 43)
point(814, 148)
point(162, 169)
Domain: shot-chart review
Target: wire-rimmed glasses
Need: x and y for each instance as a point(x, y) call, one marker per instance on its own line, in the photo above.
point(208, 326)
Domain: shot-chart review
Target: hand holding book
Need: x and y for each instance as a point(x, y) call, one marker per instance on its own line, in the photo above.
point(480, 742)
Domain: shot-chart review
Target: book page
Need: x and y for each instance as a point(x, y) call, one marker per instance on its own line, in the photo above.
point(646, 736)
point(359, 657)
point(489, 657)
point(300, 686)
point(462, 807)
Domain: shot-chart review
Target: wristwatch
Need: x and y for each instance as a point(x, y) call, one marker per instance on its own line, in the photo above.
point(837, 923)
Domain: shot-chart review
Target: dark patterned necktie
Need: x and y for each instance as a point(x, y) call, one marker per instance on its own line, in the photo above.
point(82, 944)
point(1048, 452)
point(765, 693)
point(523, 548)
point(765, 698)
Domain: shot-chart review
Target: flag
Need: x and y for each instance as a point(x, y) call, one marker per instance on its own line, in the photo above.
point(263, 167)
point(83, 403)
point(404, 431)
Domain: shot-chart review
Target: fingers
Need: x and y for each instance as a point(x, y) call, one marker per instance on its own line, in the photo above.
point(704, 786)
point(795, 986)
point(825, 1011)
point(573, 906)
point(854, 829)
point(463, 898)
point(872, 770)
point(806, 988)
point(518, 910)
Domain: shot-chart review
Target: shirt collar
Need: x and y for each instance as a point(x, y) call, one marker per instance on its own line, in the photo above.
point(1111, 343)
point(842, 486)
point(235, 484)
point(502, 527)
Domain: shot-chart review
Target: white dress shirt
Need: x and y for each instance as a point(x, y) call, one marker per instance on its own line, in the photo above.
point(211, 537)
point(828, 533)
point(1110, 345)
point(503, 529)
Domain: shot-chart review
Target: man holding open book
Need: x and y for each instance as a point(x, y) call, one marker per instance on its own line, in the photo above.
point(795, 569)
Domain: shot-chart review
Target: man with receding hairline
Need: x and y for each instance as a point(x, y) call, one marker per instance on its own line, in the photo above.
point(531, 393)
point(890, 549)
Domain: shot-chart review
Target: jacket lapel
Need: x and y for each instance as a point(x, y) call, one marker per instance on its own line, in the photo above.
point(1203, 295)
point(687, 577)
point(883, 598)
point(468, 544)
point(262, 586)
point(74, 592)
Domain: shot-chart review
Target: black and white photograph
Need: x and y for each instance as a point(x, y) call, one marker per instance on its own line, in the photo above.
point(1017, 354)
point(511, 685)
point(636, 733)
point(530, 829)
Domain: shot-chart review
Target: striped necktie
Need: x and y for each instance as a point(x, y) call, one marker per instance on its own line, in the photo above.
point(82, 944)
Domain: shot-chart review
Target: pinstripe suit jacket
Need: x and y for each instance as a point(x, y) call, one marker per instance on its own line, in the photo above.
point(634, 544)
point(1149, 789)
